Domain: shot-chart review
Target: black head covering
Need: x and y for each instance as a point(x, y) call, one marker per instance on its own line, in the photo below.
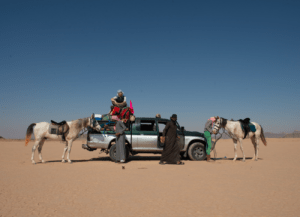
point(174, 116)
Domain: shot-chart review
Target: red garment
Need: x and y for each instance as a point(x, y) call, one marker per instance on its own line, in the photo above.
point(115, 111)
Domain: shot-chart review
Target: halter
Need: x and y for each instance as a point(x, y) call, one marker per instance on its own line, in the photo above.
point(218, 126)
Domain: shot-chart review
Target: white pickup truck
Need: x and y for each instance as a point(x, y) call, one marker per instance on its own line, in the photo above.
point(143, 136)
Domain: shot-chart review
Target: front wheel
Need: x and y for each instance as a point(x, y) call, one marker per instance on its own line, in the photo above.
point(113, 150)
point(197, 151)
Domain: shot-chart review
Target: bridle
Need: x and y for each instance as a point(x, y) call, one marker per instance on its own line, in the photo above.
point(218, 125)
point(93, 123)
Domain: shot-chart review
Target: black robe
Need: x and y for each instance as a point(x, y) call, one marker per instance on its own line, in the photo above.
point(171, 151)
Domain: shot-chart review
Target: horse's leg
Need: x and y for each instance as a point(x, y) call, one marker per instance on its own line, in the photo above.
point(254, 145)
point(235, 152)
point(36, 143)
point(257, 147)
point(40, 149)
point(64, 152)
point(241, 146)
point(69, 150)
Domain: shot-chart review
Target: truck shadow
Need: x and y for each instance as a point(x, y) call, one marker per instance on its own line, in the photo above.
point(143, 158)
point(131, 158)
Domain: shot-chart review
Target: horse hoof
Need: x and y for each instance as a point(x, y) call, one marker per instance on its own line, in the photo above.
point(256, 160)
point(70, 162)
point(63, 161)
point(243, 160)
point(33, 163)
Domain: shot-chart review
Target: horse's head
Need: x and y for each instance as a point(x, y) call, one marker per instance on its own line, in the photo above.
point(94, 124)
point(218, 124)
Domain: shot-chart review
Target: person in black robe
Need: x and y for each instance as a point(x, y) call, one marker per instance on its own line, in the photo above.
point(171, 151)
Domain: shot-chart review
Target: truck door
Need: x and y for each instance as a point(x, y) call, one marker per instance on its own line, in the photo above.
point(134, 133)
point(180, 133)
point(161, 126)
point(147, 138)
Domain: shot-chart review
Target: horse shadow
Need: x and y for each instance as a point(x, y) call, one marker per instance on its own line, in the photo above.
point(230, 159)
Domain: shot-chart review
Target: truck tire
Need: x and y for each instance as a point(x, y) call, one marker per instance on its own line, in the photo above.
point(112, 152)
point(197, 151)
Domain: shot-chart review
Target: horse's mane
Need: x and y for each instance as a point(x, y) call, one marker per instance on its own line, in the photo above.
point(224, 122)
point(81, 122)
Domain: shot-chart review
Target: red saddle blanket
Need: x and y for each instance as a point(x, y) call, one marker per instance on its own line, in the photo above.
point(123, 113)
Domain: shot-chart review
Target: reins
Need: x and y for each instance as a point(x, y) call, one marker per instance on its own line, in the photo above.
point(84, 130)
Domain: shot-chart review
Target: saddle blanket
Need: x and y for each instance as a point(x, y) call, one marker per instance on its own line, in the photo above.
point(251, 126)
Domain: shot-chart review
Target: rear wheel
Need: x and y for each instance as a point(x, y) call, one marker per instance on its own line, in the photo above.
point(112, 152)
point(197, 151)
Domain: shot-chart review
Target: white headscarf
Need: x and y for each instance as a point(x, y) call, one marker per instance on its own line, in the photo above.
point(120, 91)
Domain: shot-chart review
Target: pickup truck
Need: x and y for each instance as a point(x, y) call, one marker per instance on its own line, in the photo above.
point(143, 136)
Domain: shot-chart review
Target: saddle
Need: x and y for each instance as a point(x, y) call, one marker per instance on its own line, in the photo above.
point(60, 123)
point(247, 126)
point(60, 128)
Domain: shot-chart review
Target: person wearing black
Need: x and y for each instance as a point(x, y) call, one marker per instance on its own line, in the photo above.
point(171, 151)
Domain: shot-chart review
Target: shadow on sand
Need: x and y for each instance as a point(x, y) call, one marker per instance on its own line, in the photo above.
point(131, 158)
point(231, 159)
point(142, 158)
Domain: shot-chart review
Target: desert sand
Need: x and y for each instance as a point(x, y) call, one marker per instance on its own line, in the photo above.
point(94, 186)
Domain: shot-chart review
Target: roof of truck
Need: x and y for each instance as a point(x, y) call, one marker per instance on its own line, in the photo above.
point(153, 119)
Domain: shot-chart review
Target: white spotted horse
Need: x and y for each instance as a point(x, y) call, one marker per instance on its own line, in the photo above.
point(66, 131)
point(238, 130)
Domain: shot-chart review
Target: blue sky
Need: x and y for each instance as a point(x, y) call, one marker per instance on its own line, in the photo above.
point(64, 60)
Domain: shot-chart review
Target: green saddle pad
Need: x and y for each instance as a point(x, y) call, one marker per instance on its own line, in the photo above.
point(252, 128)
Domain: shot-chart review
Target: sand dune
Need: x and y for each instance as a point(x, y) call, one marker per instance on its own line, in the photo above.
point(95, 186)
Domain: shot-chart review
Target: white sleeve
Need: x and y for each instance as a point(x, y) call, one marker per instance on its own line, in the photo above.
point(124, 98)
point(115, 97)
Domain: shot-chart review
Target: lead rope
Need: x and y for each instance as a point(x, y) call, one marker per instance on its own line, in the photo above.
point(84, 130)
point(223, 132)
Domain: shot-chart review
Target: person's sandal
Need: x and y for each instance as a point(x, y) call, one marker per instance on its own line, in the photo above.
point(180, 163)
point(161, 163)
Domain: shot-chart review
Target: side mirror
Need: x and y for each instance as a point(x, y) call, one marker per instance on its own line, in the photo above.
point(182, 129)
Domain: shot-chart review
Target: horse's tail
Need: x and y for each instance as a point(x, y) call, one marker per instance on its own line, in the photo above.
point(28, 133)
point(262, 136)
